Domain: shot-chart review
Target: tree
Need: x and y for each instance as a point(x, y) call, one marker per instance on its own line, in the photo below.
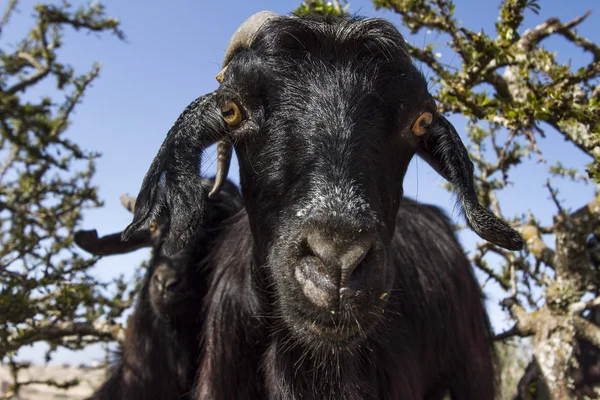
point(510, 87)
point(322, 7)
point(47, 293)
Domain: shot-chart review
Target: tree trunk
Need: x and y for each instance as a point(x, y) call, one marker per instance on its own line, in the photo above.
point(554, 348)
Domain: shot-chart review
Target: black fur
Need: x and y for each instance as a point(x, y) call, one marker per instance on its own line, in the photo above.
point(328, 106)
point(160, 356)
point(433, 334)
point(173, 181)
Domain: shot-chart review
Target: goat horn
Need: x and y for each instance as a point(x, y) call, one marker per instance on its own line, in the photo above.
point(224, 150)
point(243, 37)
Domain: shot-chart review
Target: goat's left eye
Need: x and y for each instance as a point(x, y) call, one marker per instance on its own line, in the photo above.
point(422, 123)
point(231, 114)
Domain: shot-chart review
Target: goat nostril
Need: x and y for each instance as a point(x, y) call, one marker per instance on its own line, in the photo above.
point(321, 247)
point(356, 272)
point(343, 255)
point(351, 263)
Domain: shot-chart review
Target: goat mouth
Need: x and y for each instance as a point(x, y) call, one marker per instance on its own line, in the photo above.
point(338, 327)
point(168, 303)
point(343, 333)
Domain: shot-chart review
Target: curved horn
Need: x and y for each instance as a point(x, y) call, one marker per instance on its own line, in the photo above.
point(243, 37)
point(224, 150)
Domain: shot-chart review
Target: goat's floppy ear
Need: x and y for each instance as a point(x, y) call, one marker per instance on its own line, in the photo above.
point(173, 183)
point(442, 148)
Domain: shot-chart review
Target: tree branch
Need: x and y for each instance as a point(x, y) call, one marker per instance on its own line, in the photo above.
point(73, 100)
point(128, 202)
point(512, 332)
point(584, 329)
point(111, 244)
point(571, 234)
point(536, 246)
point(525, 323)
point(50, 331)
point(532, 37)
point(12, 4)
point(578, 308)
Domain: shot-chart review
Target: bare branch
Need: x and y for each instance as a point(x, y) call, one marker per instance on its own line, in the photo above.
point(31, 60)
point(128, 202)
point(536, 246)
point(554, 196)
point(532, 37)
point(582, 42)
point(584, 329)
point(111, 244)
point(578, 308)
point(525, 322)
point(478, 261)
point(512, 332)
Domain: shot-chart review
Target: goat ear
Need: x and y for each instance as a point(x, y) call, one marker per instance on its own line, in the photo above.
point(442, 148)
point(173, 183)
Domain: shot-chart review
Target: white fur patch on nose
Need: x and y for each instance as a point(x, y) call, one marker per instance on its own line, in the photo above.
point(335, 199)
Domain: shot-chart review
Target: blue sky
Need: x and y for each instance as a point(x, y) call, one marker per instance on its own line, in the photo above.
point(174, 50)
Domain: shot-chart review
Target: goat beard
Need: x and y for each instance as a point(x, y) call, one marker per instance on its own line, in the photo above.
point(330, 368)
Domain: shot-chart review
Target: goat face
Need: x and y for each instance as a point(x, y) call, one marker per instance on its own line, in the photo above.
point(171, 279)
point(167, 287)
point(325, 116)
point(323, 147)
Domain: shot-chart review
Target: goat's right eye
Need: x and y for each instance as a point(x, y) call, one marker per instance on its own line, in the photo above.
point(231, 114)
point(422, 123)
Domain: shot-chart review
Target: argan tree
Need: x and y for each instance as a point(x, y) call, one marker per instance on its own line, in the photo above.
point(513, 91)
point(47, 293)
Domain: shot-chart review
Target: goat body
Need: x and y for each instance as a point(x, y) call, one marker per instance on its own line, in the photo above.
point(159, 358)
point(435, 337)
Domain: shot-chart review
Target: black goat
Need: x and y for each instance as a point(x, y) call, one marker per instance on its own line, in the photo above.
point(432, 334)
point(329, 285)
point(160, 355)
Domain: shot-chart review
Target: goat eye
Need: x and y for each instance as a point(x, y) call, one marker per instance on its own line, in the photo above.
point(422, 123)
point(153, 226)
point(231, 113)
